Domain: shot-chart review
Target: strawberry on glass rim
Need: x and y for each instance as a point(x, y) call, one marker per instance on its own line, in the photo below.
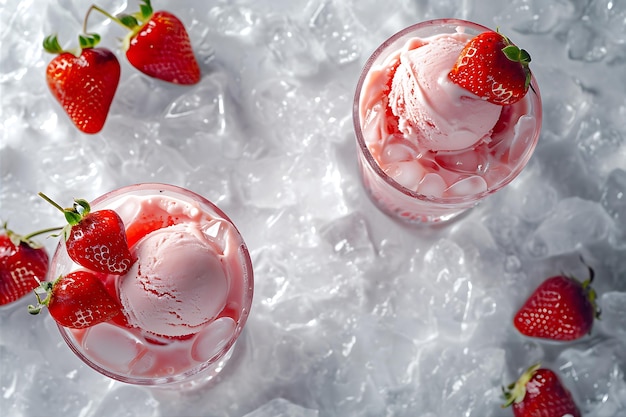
point(95, 240)
point(493, 68)
point(158, 44)
point(76, 300)
point(83, 81)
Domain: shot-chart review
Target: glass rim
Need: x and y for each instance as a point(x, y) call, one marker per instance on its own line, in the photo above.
point(446, 23)
point(240, 324)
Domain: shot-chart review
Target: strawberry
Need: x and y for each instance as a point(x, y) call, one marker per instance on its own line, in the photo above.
point(95, 240)
point(158, 44)
point(83, 82)
point(77, 300)
point(561, 308)
point(23, 264)
point(493, 68)
point(539, 393)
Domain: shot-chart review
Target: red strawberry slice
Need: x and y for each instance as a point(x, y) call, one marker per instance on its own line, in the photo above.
point(95, 240)
point(540, 393)
point(23, 265)
point(85, 83)
point(77, 300)
point(493, 68)
point(561, 308)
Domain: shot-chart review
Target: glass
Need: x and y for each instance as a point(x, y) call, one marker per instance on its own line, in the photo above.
point(470, 174)
point(138, 356)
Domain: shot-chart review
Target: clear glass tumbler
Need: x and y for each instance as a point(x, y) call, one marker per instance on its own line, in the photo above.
point(421, 185)
point(137, 354)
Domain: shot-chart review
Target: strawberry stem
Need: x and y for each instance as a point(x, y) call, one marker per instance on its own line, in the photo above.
point(16, 239)
point(49, 200)
point(73, 215)
point(41, 232)
point(120, 21)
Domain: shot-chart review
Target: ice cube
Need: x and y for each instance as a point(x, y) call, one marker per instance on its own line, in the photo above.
point(113, 347)
point(574, 224)
point(613, 307)
point(279, 407)
point(212, 339)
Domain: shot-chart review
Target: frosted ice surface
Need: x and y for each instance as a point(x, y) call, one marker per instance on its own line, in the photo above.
point(280, 407)
point(596, 375)
point(614, 197)
point(354, 314)
point(573, 224)
point(127, 401)
point(613, 306)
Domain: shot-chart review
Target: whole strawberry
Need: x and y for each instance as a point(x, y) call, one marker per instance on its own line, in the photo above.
point(540, 393)
point(95, 240)
point(158, 44)
point(23, 265)
point(561, 308)
point(84, 83)
point(493, 68)
point(77, 300)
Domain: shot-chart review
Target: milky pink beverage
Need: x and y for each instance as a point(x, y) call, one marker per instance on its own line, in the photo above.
point(186, 298)
point(429, 149)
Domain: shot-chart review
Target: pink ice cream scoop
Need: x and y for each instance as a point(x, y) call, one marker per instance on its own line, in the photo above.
point(178, 283)
point(432, 110)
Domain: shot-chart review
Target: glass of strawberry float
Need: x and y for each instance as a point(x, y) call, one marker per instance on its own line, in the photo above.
point(446, 112)
point(183, 296)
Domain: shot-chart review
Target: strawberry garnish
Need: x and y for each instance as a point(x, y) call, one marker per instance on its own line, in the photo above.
point(158, 44)
point(95, 240)
point(493, 68)
point(84, 81)
point(23, 264)
point(539, 393)
point(76, 300)
point(562, 308)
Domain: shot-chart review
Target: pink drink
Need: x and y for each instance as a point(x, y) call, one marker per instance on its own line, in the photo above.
point(428, 149)
point(186, 298)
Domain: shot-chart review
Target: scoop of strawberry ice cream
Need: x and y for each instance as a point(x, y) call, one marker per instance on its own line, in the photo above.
point(177, 284)
point(433, 111)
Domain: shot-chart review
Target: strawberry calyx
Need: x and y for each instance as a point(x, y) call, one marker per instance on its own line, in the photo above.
point(521, 56)
point(591, 294)
point(515, 392)
point(44, 287)
point(73, 215)
point(85, 41)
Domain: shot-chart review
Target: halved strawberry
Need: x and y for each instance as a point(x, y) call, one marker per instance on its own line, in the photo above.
point(493, 68)
point(76, 300)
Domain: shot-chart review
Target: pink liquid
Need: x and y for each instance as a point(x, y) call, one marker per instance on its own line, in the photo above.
point(421, 185)
point(134, 355)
